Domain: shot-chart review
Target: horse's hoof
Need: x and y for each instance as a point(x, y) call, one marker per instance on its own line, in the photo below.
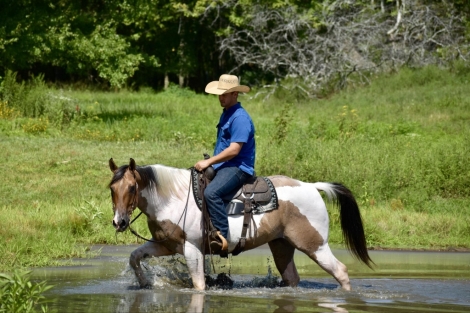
point(210, 282)
point(148, 286)
point(222, 281)
point(346, 286)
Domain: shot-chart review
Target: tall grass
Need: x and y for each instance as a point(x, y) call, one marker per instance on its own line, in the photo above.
point(18, 294)
point(401, 145)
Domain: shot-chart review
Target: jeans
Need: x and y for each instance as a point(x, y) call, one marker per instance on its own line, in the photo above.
point(227, 181)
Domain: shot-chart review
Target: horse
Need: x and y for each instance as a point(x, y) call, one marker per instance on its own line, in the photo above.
point(301, 222)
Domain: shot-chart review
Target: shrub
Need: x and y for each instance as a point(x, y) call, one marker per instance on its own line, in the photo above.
point(35, 126)
point(6, 112)
point(36, 101)
point(19, 294)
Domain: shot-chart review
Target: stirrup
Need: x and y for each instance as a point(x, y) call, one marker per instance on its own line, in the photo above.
point(218, 242)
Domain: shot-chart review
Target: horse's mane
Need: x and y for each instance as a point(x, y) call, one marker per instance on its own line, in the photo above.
point(168, 181)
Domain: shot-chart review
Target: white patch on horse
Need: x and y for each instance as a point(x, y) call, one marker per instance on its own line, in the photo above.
point(309, 202)
point(168, 199)
point(235, 229)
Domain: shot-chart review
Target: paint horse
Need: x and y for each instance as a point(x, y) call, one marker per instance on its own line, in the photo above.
point(164, 195)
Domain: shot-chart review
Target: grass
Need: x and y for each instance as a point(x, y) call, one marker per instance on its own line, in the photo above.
point(402, 146)
point(19, 294)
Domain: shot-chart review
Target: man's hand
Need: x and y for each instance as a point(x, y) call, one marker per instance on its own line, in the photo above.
point(202, 165)
point(229, 153)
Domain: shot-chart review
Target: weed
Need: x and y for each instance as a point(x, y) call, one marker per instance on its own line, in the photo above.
point(35, 126)
point(348, 122)
point(19, 294)
point(282, 123)
point(396, 205)
point(365, 198)
point(6, 112)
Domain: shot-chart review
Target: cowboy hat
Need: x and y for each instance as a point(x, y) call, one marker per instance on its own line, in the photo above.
point(226, 84)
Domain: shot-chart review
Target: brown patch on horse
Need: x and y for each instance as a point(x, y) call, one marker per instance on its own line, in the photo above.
point(287, 221)
point(167, 233)
point(127, 184)
point(143, 176)
point(285, 230)
point(284, 181)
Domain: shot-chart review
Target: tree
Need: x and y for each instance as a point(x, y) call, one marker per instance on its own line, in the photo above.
point(323, 44)
point(325, 49)
point(77, 37)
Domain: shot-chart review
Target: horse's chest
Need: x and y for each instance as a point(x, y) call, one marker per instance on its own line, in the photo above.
point(166, 232)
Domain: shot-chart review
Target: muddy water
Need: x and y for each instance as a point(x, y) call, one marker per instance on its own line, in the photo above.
point(401, 282)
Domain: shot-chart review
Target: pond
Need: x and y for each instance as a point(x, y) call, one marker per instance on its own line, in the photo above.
point(402, 281)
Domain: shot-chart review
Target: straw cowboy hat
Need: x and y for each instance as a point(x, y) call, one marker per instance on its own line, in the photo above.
point(226, 84)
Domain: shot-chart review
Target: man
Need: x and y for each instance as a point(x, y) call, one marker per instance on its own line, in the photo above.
point(234, 153)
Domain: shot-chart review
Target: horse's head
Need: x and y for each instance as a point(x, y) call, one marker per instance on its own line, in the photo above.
point(124, 193)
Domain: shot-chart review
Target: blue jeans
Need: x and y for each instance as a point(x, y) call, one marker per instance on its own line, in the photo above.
point(227, 181)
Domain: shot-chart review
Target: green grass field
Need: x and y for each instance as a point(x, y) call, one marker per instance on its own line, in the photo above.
point(402, 145)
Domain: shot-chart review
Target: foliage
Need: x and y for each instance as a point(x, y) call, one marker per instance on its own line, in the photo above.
point(19, 295)
point(342, 43)
point(6, 112)
point(34, 100)
point(282, 123)
point(401, 145)
point(130, 44)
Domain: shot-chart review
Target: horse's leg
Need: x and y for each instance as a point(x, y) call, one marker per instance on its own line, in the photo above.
point(283, 253)
point(310, 242)
point(195, 261)
point(301, 234)
point(144, 251)
point(328, 262)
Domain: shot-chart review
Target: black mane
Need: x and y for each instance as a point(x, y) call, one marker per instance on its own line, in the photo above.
point(146, 174)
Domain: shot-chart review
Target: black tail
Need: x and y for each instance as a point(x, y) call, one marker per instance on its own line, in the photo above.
point(351, 223)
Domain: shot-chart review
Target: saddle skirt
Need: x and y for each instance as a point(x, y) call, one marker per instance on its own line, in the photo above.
point(258, 189)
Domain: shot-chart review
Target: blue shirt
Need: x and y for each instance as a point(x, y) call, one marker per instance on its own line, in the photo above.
point(235, 125)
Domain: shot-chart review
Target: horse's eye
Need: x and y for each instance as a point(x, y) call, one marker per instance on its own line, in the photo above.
point(132, 189)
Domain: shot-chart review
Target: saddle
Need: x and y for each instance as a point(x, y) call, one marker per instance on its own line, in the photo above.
point(256, 196)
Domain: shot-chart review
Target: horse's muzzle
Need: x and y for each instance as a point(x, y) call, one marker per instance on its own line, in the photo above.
point(120, 225)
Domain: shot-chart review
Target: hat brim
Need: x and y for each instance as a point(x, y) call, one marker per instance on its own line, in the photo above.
point(212, 88)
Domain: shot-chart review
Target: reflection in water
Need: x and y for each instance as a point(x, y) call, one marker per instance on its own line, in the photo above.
point(332, 305)
point(402, 282)
point(197, 303)
point(160, 302)
point(201, 302)
point(284, 306)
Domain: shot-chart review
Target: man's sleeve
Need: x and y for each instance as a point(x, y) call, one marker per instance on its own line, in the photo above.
point(241, 129)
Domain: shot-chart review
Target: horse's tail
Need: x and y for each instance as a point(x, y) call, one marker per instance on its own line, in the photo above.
point(350, 217)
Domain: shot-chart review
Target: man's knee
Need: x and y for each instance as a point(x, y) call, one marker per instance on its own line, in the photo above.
point(210, 194)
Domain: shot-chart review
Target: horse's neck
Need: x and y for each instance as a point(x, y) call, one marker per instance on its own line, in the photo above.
point(173, 209)
point(168, 195)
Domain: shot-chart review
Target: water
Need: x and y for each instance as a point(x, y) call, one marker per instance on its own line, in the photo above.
point(401, 282)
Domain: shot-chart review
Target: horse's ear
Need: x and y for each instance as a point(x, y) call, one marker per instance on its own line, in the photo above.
point(131, 165)
point(112, 166)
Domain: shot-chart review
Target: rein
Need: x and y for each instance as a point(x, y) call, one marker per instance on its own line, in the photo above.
point(185, 211)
